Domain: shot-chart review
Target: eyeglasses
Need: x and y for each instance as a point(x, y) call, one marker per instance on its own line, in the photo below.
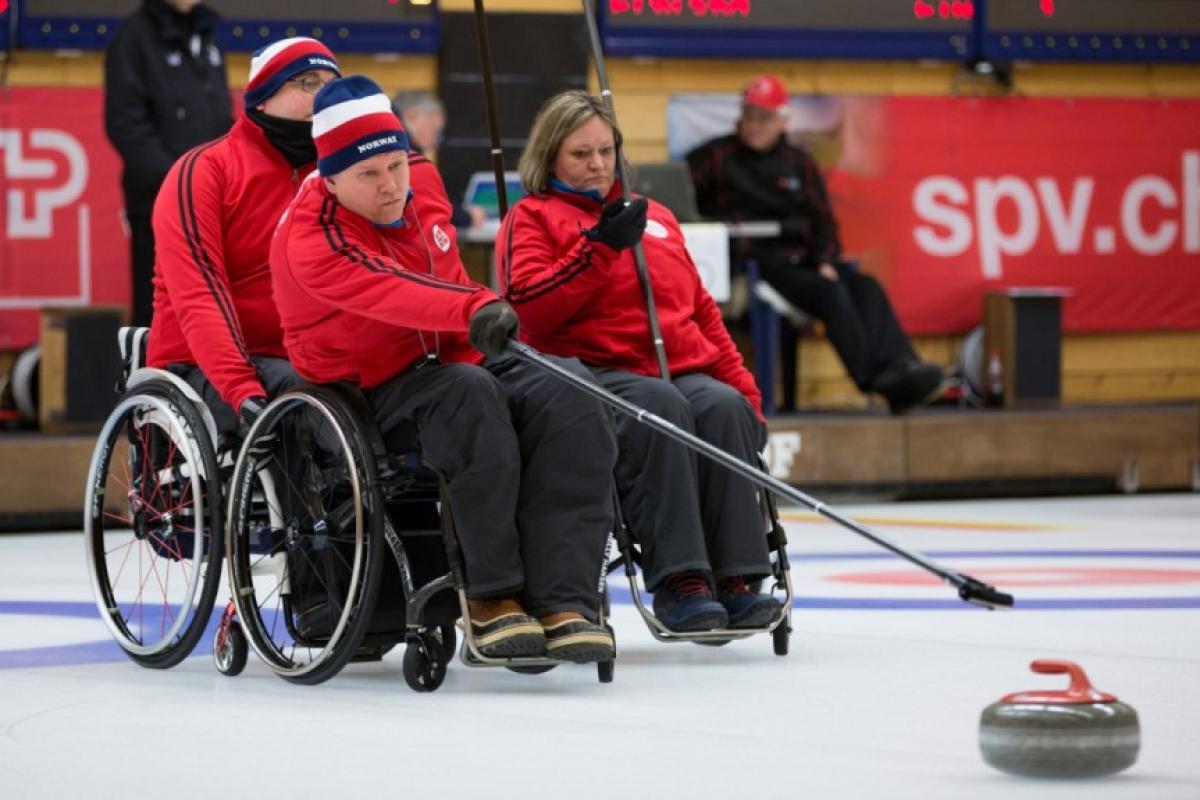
point(309, 83)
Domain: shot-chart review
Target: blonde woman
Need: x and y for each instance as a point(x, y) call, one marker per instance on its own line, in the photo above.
point(566, 265)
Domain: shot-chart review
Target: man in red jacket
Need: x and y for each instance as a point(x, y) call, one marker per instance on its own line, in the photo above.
point(214, 321)
point(370, 290)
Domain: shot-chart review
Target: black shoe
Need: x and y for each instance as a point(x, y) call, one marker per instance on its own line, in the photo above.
point(502, 629)
point(909, 384)
point(683, 602)
point(578, 641)
point(745, 608)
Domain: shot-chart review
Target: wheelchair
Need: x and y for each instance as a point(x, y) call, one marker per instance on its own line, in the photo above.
point(153, 512)
point(340, 548)
point(780, 626)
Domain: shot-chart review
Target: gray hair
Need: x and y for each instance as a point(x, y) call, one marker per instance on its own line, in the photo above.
point(557, 119)
point(405, 101)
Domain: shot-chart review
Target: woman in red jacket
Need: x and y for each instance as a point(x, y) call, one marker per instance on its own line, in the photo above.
point(566, 265)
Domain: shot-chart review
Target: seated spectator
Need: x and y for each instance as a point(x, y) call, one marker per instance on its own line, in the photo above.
point(755, 174)
point(567, 266)
point(424, 118)
point(371, 291)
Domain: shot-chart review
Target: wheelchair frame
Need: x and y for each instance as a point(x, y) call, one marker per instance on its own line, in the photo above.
point(425, 657)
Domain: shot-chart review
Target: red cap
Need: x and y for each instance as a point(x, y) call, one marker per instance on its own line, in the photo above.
point(765, 91)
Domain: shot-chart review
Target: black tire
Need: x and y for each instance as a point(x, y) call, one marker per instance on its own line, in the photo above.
point(424, 664)
point(230, 651)
point(153, 489)
point(780, 638)
point(604, 670)
point(306, 515)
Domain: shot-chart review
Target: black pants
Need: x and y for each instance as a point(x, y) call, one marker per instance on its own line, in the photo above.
point(528, 462)
point(687, 512)
point(276, 374)
point(859, 319)
point(141, 257)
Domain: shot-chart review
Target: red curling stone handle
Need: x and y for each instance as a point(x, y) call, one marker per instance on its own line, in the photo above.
point(1080, 690)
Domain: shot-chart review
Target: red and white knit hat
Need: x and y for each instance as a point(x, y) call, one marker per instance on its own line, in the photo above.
point(353, 120)
point(287, 58)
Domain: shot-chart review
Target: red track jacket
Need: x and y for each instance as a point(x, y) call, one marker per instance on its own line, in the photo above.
point(363, 303)
point(213, 221)
point(581, 298)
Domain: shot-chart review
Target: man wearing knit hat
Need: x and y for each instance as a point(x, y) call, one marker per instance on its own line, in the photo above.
point(755, 174)
point(371, 290)
point(214, 320)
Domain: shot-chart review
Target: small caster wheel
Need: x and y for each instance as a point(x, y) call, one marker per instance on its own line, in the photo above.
point(532, 669)
point(604, 670)
point(230, 649)
point(780, 637)
point(424, 664)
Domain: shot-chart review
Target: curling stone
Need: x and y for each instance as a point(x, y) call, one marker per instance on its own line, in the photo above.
point(1077, 733)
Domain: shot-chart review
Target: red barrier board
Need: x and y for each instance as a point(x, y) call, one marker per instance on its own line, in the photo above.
point(63, 240)
point(948, 198)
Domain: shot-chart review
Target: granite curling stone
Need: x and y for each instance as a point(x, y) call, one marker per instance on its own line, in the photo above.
point(1077, 733)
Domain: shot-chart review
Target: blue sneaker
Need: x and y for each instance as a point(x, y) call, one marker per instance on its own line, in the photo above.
point(684, 602)
point(745, 608)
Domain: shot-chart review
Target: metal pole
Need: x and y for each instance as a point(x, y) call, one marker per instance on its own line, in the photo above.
point(639, 256)
point(485, 58)
point(969, 589)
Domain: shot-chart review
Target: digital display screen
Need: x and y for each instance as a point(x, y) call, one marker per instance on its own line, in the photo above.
point(1115, 30)
point(348, 25)
point(923, 15)
point(789, 28)
point(289, 10)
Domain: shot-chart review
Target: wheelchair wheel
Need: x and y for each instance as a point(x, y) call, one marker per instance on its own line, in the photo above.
point(305, 538)
point(230, 651)
point(780, 637)
point(424, 663)
point(153, 524)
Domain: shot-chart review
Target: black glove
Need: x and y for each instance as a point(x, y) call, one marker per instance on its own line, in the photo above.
point(491, 328)
point(620, 225)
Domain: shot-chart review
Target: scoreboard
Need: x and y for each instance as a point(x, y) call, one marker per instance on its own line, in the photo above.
point(346, 25)
point(1100, 30)
point(790, 28)
point(1112, 30)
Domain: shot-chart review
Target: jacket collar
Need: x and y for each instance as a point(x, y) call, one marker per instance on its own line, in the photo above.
point(173, 26)
point(246, 128)
point(586, 200)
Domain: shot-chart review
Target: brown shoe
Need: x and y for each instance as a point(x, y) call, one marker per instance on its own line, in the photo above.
point(571, 637)
point(502, 629)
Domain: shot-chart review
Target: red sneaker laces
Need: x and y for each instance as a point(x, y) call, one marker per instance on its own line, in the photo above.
point(735, 584)
point(687, 584)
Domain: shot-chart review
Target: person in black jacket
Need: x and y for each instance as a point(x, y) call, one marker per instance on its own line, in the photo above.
point(755, 174)
point(165, 91)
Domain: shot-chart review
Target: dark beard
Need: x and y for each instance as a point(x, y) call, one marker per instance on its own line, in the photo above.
point(291, 137)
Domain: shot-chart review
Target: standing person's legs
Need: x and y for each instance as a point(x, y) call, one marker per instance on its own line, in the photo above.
point(141, 267)
point(832, 303)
